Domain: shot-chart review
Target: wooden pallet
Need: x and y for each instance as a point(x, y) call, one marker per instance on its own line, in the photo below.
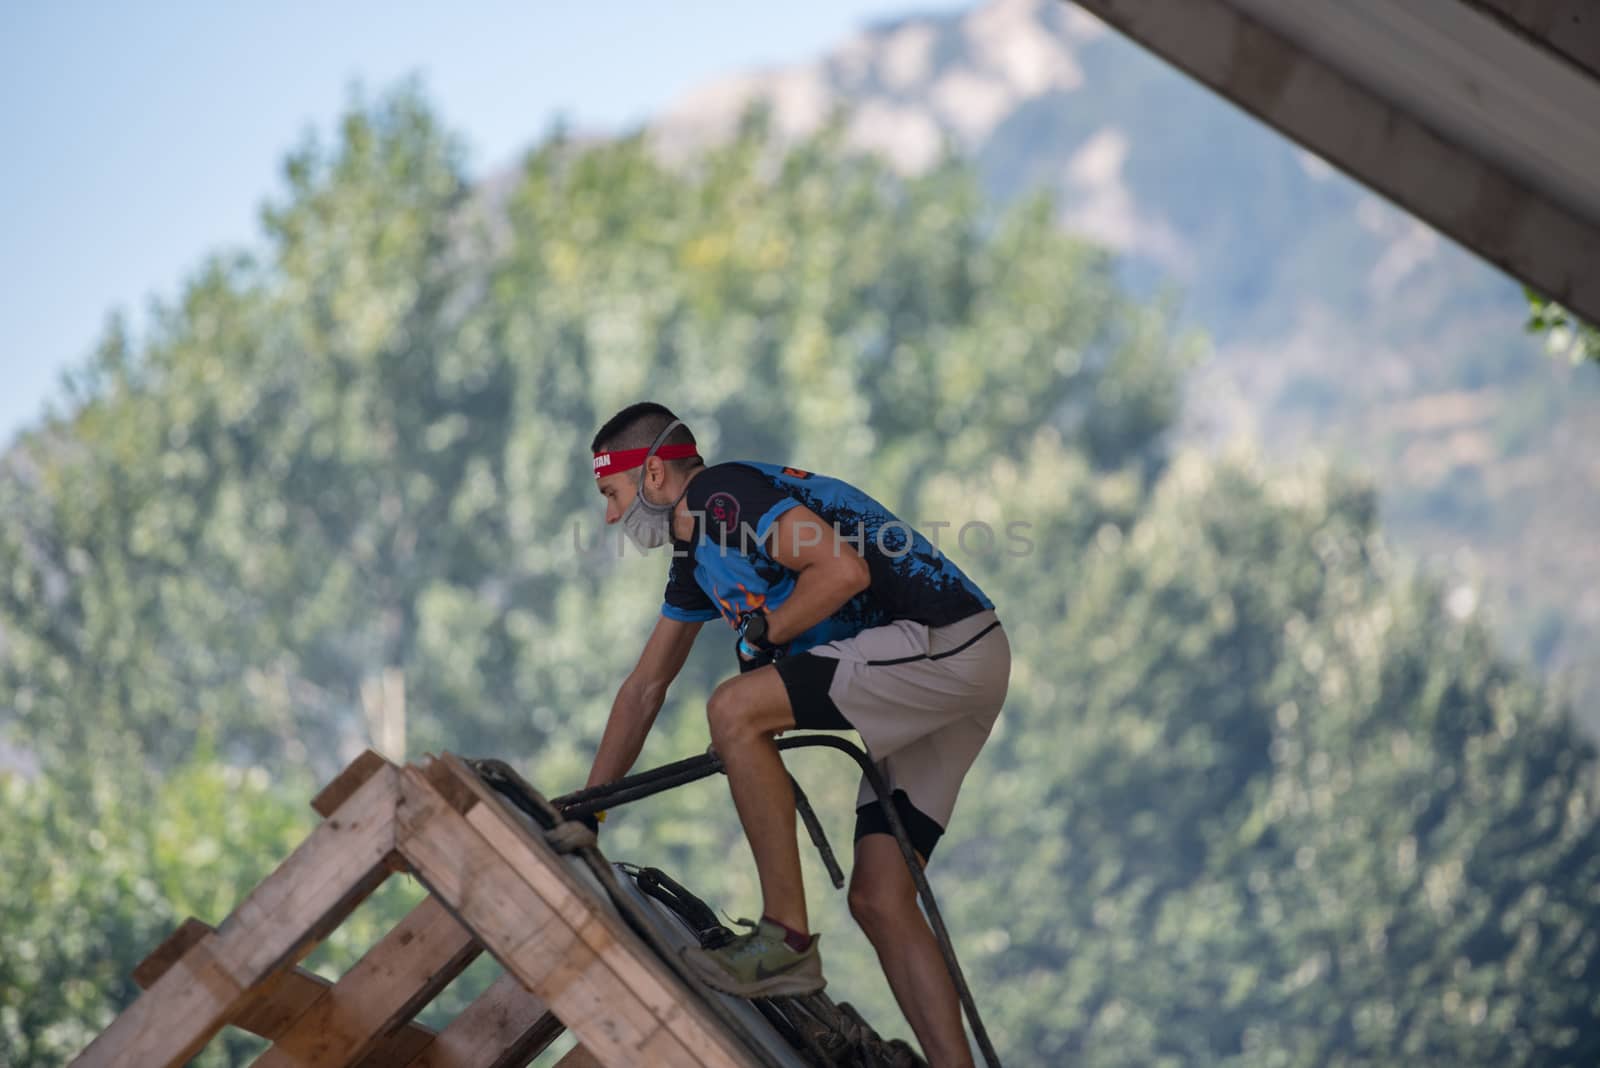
point(569, 962)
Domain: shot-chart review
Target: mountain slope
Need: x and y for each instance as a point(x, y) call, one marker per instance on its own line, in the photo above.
point(1339, 322)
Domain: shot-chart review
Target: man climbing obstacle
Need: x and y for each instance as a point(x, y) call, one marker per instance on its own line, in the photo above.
point(846, 619)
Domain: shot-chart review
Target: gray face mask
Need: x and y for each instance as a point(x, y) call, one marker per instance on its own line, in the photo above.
point(647, 524)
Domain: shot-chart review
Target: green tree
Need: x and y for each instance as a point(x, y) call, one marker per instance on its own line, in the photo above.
point(1258, 799)
point(360, 451)
point(94, 883)
point(1255, 798)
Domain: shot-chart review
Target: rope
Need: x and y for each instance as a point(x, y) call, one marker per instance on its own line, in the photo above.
point(818, 837)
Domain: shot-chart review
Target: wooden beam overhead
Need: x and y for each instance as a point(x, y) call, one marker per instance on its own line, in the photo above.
point(1498, 153)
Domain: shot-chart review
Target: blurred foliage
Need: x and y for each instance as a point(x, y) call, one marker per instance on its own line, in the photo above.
point(94, 883)
point(1275, 807)
point(361, 450)
point(1256, 798)
point(1564, 333)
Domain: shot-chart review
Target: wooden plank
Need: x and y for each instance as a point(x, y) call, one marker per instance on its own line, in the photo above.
point(390, 983)
point(550, 955)
point(270, 1007)
point(579, 1057)
point(400, 1047)
point(169, 1023)
point(347, 782)
point(163, 957)
point(603, 933)
point(442, 775)
point(275, 1004)
point(505, 1027)
point(536, 1041)
point(534, 861)
point(543, 870)
point(321, 883)
point(341, 862)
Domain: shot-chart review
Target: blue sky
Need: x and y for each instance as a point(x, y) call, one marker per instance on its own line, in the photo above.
point(139, 137)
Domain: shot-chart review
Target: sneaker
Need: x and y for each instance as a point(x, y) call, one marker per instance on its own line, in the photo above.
point(759, 964)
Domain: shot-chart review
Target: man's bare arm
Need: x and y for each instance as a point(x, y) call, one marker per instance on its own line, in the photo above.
point(828, 572)
point(640, 697)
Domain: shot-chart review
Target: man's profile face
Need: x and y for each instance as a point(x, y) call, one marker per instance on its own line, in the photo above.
point(618, 490)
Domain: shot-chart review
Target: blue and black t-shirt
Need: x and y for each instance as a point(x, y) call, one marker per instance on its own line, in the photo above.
point(726, 569)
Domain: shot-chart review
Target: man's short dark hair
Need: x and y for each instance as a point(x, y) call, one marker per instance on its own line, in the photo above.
point(636, 427)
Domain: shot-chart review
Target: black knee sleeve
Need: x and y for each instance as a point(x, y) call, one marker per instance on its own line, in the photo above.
point(922, 829)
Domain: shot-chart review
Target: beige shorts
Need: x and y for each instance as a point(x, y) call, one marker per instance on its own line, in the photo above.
point(923, 699)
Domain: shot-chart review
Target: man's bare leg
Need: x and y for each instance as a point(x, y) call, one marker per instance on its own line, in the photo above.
point(745, 713)
point(883, 899)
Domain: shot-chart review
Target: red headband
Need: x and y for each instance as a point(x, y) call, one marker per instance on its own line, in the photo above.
point(609, 463)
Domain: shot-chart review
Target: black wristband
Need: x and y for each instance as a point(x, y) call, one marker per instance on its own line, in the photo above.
point(753, 629)
point(762, 658)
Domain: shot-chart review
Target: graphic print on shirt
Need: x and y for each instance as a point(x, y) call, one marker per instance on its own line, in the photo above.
point(722, 509)
point(728, 569)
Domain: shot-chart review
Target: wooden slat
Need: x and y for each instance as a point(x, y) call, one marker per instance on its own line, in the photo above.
point(603, 983)
point(401, 1047)
point(275, 1004)
point(536, 1041)
point(579, 1057)
point(169, 1023)
point(534, 861)
point(269, 1008)
point(395, 978)
point(163, 957)
point(455, 788)
point(341, 862)
point(505, 1027)
point(321, 883)
point(347, 782)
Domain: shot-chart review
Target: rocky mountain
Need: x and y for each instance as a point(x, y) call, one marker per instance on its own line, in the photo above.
point(1339, 323)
